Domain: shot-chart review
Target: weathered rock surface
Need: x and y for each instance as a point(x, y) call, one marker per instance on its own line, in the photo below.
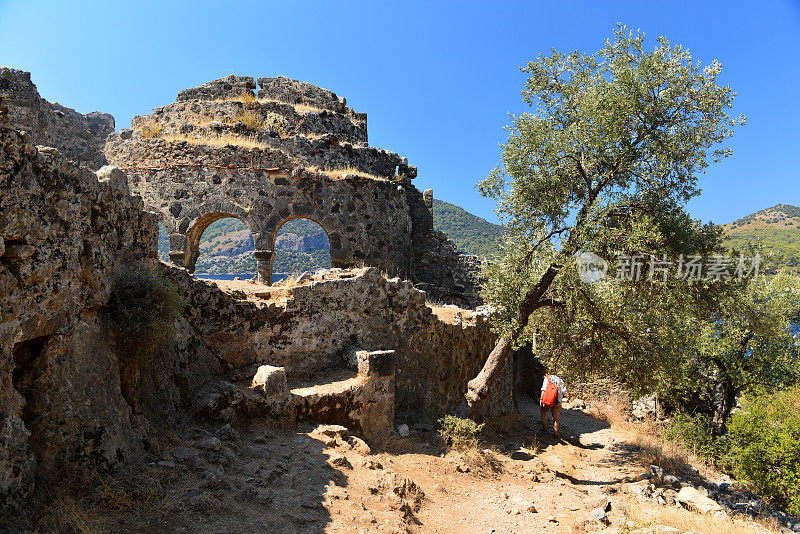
point(692, 499)
point(65, 235)
point(77, 391)
point(227, 87)
point(70, 393)
point(318, 324)
point(78, 137)
point(271, 382)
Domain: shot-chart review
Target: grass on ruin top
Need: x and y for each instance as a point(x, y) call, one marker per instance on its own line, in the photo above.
point(249, 98)
point(448, 313)
point(339, 173)
point(216, 140)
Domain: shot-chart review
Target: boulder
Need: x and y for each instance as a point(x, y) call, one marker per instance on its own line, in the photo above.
point(271, 382)
point(359, 445)
point(692, 499)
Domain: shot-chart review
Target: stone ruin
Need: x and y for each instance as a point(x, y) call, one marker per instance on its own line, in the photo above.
point(79, 137)
point(294, 151)
point(358, 345)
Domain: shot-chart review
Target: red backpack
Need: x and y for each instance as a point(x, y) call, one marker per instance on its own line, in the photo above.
point(550, 395)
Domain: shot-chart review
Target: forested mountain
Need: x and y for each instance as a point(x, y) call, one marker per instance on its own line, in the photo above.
point(302, 245)
point(470, 233)
point(775, 230)
point(226, 247)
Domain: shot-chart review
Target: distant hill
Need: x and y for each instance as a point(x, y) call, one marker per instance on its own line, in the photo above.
point(302, 245)
point(226, 247)
point(470, 233)
point(775, 229)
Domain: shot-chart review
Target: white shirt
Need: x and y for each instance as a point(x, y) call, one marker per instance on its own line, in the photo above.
point(562, 389)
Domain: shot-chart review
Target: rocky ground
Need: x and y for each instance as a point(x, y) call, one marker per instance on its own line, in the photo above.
point(257, 477)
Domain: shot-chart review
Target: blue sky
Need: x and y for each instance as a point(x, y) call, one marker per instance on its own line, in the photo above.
point(437, 79)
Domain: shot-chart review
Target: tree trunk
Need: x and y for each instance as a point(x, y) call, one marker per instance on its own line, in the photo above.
point(478, 387)
point(725, 403)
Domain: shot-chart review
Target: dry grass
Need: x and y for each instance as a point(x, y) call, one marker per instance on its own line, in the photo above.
point(248, 98)
point(646, 435)
point(684, 520)
point(305, 108)
point(656, 451)
point(447, 313)
point(67, 514)
point(482, 460)
point(252, 121)
point(86, 502)
point(339, 173)
point(292, 280)
point(149, 129)
point(610, 410)
point(216, 140)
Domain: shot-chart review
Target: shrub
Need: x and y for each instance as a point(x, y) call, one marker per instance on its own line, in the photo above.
point(694, 431)
point(765, 446)
point(150, 130)
point(459, 433)
point(252, 121)
point(144, 305)
point(278, 124)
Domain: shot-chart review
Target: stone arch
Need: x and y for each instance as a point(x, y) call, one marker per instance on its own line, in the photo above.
point(185, 246)
point(330, 227)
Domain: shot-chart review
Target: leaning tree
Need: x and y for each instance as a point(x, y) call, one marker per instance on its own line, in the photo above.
point(605, 161)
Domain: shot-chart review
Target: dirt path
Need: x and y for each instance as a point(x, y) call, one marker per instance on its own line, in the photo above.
point(254, 477)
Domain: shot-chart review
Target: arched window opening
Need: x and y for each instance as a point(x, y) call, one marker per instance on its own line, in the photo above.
point(163, 243)
point(226, 251)
point(301, 245)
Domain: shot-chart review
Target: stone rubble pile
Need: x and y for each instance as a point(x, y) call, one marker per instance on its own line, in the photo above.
point(694, 493)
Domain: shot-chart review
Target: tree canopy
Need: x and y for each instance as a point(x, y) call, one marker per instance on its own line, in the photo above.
point(605, 161)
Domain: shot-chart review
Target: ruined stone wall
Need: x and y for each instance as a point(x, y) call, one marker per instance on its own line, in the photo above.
point(78, 137)
point(280, 120)
point(363, 196)
point(194, 185)
point(65, 232)
point(318, 325)
point(437, 267)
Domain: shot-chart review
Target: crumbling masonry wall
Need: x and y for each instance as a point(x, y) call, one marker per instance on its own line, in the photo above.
point(317, 326)
point(65, 233)
point(194, 162)
point(80, 138)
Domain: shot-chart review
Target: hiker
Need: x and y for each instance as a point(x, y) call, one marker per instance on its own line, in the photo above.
point(553, 393)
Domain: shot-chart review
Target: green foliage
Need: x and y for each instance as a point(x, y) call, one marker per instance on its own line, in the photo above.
point(774, 232)
point(605, 162)
point(765, 446)
point(459, 433)
point(224, 261)
point(144, 306)
point(696, 432)
point(748, 343)
point(470, 233)
point(289, 261)
point(779, 246)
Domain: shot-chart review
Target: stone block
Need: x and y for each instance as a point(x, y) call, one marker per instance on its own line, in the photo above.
point(380, 362)
point(271, 382)
point(692, 499)
point(114, 177)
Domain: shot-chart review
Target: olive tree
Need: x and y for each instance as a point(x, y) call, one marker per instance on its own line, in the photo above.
point(749, 344)
point(605, 160)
